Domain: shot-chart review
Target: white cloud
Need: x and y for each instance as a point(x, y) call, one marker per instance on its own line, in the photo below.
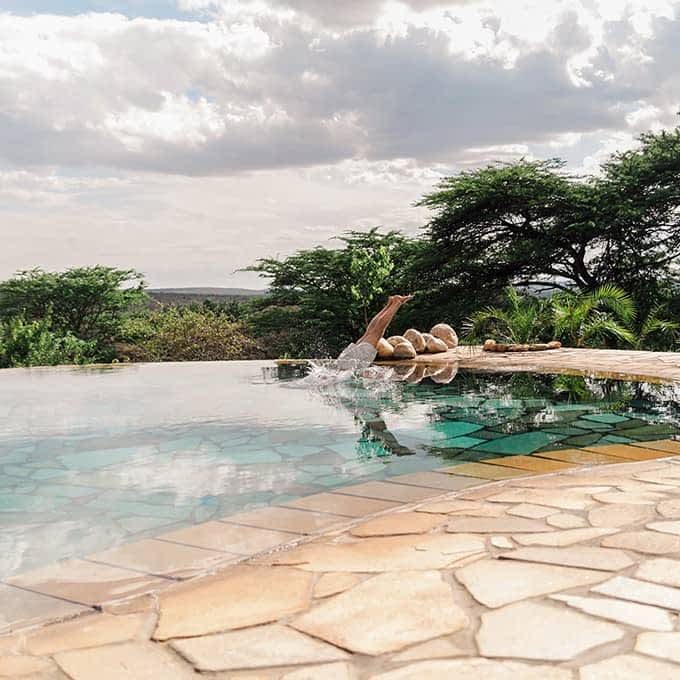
point(177, 121)
point(276, 84)
point(130, 124)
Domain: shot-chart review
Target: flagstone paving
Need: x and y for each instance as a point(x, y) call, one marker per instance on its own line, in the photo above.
point(572, 575)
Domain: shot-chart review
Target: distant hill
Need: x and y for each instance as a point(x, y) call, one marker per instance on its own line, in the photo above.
point(187, 296)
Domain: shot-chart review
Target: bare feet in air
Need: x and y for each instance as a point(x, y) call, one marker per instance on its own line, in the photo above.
point(401, 299)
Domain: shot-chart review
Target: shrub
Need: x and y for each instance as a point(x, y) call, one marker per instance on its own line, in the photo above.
point(36, 343)
point(176, 334)
point(85, 302)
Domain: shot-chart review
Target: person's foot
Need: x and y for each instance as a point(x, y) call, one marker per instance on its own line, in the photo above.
point(401, 299)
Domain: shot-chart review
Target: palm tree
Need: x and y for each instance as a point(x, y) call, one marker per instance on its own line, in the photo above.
point(605, 316)
point(594, 318)
point(526, 319)
point(657, 333)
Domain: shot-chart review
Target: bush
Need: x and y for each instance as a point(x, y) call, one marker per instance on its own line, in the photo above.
point(36, 343)
point(176, 334)
point(85, 302)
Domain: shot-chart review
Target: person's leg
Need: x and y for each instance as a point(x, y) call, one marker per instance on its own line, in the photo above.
point(379, 323)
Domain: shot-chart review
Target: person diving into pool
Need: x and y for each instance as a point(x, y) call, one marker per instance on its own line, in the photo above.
point(362, 353)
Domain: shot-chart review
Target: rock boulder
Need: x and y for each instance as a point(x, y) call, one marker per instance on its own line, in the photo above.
point(444, 332)
point(416, 339)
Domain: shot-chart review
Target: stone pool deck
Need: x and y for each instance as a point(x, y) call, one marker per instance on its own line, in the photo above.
point(558, 565)
point(624, 364)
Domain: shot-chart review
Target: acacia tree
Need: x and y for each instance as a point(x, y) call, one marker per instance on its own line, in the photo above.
point(87, 302)
point(528, 222)
point(322, 298)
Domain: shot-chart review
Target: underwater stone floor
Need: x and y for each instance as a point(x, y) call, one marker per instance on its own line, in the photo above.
point(66, 496)
point(561, 565)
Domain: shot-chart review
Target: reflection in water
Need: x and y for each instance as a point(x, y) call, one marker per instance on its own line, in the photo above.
point(93, 458)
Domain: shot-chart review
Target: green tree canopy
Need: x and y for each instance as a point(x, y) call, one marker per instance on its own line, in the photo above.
point(325, 296)
point(529, 222)
point(87, 302)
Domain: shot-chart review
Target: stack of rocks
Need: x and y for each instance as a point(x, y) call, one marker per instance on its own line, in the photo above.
point(440, 339)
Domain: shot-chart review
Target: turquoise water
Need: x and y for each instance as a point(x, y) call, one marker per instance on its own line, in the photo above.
point(94, 457)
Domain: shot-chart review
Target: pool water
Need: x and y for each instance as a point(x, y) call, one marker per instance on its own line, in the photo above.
point(94, 457)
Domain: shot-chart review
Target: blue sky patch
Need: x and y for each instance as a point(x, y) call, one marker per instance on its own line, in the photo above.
point(158, 9)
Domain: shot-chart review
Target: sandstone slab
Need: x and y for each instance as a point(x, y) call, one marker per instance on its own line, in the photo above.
point(561, 538)
point(482, 471)
point(495, 583)
point(432, 649)
point(278, 518)
point(649, 542)
point(243, 596)
point(556, 634)
point(86, 582)
point(661, 645)
point(387, 491)
point(670, 509)
point(601, 477)
point(258, 647)
point(474, 669)
point(530, 511)
point(629, 667)
point(129, 661)
point(667, 445)
point(531, 463)
point(661, 477)
point(445, 507)
point(629, 497)
point(388, 553)
point(640, 591)
point(628, 452)
point(569, 499)
point(579, 456)
point(494, 525)
point(565, 520)
point(162, 558)
point(631, 613)
point(485, 510)
point(232, 539)
point(583, 556)
point(672, 527)
point(333, 583)
point(14, 667)
point(341, 505)
point(85, 631)
point(331, 671)
point(434, 480)
point(660, 570)
point(413, 607)
point(620, 514)
point(24, 608)
point(399, 523)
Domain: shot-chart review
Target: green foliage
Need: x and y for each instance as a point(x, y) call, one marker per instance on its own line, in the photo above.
point(183, 334)
point(87, 302)
point(604, 317)
point(320, 299)
point(528, 222)
point(610, 243)
point(656, 332)
point(36, 343)
point(369, 272)
point(524, 319)
point(594, 319)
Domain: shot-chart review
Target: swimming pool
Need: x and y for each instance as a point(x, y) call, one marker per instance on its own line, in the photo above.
point(94, 457)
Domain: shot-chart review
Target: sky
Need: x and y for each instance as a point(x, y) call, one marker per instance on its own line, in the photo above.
point(188, 138)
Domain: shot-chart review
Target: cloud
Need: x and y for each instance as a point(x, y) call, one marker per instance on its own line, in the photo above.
point(294, 82)
point(160, 143)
